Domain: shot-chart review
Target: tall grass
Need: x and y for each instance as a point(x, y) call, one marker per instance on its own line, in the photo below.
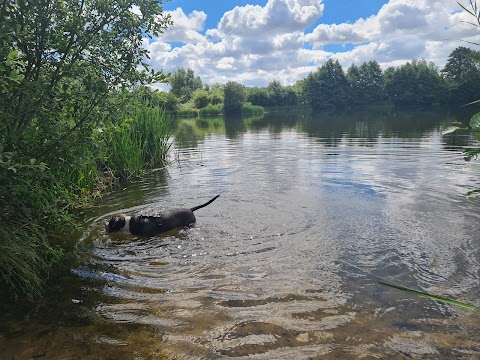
point(36, 199)
point(139, 142)
point(32, 204)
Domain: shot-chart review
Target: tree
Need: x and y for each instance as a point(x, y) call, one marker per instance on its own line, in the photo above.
point(371, 78)
point(276, 93)
point(366, 83)
point(355, 85)
point(216, 97)
point(258, 96)
point(61, 62)
point(201, 98)
point(462, 63)
point(166, 101)
point(184, 83)
point(463, 74)
point(327, 88)
point(290, 95)
point(74, 54)
point(233, 97)
point(415, 83)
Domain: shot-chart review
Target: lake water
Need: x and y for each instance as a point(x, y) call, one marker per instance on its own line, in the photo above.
point(313, 212)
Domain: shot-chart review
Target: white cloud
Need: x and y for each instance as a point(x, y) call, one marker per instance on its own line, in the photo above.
point(278, 16)
point(186, 28)
point(257, 44)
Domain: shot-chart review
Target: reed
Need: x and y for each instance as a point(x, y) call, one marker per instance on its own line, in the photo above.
point(141, 142)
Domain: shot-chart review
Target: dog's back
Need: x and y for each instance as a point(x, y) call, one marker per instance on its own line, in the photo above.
point(152, 225)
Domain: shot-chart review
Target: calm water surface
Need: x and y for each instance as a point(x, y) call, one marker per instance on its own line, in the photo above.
point(313, 213)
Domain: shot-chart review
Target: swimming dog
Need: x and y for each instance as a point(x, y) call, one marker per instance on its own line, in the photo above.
point(152, 225)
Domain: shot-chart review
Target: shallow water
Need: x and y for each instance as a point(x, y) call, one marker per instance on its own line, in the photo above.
point(285, 264)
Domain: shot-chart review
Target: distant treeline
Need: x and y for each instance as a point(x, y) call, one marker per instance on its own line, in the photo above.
point(417, 82)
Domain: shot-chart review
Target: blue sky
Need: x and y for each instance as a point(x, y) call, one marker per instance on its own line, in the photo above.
point(255, 42)
point(335, 11)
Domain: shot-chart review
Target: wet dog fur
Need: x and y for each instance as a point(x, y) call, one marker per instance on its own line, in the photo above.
point(153, 225)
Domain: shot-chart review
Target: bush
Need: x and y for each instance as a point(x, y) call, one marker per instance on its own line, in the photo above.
point(252, 109)
point(188, 112)
point(200, 98)
point(32, 203)
point(211, 110)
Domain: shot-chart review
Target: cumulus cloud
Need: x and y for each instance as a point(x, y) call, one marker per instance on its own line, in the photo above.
point(186, 28)
point(255, 44)
point(277, 17)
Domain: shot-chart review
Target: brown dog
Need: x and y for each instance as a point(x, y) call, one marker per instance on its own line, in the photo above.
point(152, 225)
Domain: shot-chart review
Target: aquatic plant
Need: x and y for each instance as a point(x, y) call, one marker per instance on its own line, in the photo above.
point(139, 142)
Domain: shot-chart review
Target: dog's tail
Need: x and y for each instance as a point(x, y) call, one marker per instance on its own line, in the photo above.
point(203, 205)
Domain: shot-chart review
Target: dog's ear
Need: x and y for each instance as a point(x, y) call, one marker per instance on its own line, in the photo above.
point(116, 223)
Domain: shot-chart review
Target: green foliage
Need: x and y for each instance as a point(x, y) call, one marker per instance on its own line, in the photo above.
point(139, 142)
point(462, 72)
point(274, 95)
point(216, 97)
point(250, 109)
point(32, 203)
point(72, 61)
point(187, 111)
point(211, 109)
point(148, 96)
point(64, 68)
point(366, 83)
point(462, 69)
point(233, 98)
point(475, 122)
point(166, 101)
point(184, 83)
point(415, 83)
point(11, 71)
point(201, 98)
point(326, 88)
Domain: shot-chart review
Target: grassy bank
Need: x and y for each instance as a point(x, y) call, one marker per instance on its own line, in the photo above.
point(36, 198)
point(217, 110)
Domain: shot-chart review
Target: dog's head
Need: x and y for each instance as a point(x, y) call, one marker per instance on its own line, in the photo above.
point(117, 223)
